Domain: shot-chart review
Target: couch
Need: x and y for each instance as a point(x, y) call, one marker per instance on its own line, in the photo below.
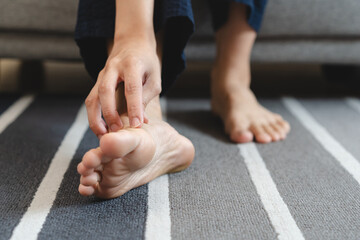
point(311, 31)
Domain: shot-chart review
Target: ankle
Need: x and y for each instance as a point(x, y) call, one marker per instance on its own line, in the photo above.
point(231, 77)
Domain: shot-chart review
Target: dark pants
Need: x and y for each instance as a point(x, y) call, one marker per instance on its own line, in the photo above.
point(96, 24)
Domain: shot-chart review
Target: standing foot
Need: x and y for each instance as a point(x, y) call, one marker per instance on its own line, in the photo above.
point(131, 157)
point(244, 118)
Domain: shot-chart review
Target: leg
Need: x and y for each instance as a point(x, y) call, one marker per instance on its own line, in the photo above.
point(132, 157)
point(244, 118)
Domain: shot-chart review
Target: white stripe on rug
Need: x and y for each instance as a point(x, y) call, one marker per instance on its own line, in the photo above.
point(354, 103)
point(345, 158)
point(278, 212)
point(158, 222)
point(14, 111)
point(35, 216)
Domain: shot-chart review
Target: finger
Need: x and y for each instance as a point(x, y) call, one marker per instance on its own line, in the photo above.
point(133, 95)
point(96, 123)
point(107, 85)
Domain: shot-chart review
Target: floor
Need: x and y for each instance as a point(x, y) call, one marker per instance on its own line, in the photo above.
point(306, 187)
point(268, 80)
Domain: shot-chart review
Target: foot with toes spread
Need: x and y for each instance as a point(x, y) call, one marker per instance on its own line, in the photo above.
point(132, 157)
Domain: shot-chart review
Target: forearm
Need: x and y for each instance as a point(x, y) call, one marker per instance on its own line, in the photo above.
point(134, 18)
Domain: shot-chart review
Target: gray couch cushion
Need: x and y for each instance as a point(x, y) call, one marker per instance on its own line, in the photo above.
point(38, 46)
point(301, 18)
point(312, 18)
point(38, 15)
point(289, 51)
point(283, 17)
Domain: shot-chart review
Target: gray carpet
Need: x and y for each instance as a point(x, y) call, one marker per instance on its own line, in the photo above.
point(309, 192)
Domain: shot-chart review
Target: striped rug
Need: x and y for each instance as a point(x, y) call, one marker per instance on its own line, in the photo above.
point(306, 187)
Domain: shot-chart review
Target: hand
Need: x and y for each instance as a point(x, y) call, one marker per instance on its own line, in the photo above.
point(133, 61)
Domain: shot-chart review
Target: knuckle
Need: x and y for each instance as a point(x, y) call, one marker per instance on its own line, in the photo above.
point(93, 126)
point(104, 88)
point(101, 74)
point(133, 109)
point(132, 87)
point(108, 114)
point(130, 62)
point(112, 63)
point(89, 101)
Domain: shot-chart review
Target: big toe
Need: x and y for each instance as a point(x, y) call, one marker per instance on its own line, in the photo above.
point(241, 136)
point(119, 144)
point(238, 130)
point(135, 146)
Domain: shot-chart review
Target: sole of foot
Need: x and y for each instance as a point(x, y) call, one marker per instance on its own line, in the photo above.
point(132, 157)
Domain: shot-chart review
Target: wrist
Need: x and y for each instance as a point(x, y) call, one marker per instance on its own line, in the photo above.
point(134, 19)
point(145, 35)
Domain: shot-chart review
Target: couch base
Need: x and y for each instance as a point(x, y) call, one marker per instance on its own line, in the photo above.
point(338, 51)
point(295, 51)
point(38, 46)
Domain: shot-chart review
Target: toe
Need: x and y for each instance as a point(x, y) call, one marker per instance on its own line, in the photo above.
point(284, 125)
point(280, 130)
point(275, 136)
point(239, 136)
point(90, 180)
point(86, 190)
point(92, 159)
point(82, 170)
point(238, 130)
point(119, 144)
point(261, 135)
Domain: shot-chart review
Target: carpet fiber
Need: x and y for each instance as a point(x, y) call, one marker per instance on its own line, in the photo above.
point(306, 187)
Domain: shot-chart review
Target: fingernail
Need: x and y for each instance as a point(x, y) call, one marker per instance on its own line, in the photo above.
point(103, 129)
point(114, 127)
point(135, 122)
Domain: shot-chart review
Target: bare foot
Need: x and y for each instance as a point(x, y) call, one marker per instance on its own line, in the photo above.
point(132, 157)
point(244, 118)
